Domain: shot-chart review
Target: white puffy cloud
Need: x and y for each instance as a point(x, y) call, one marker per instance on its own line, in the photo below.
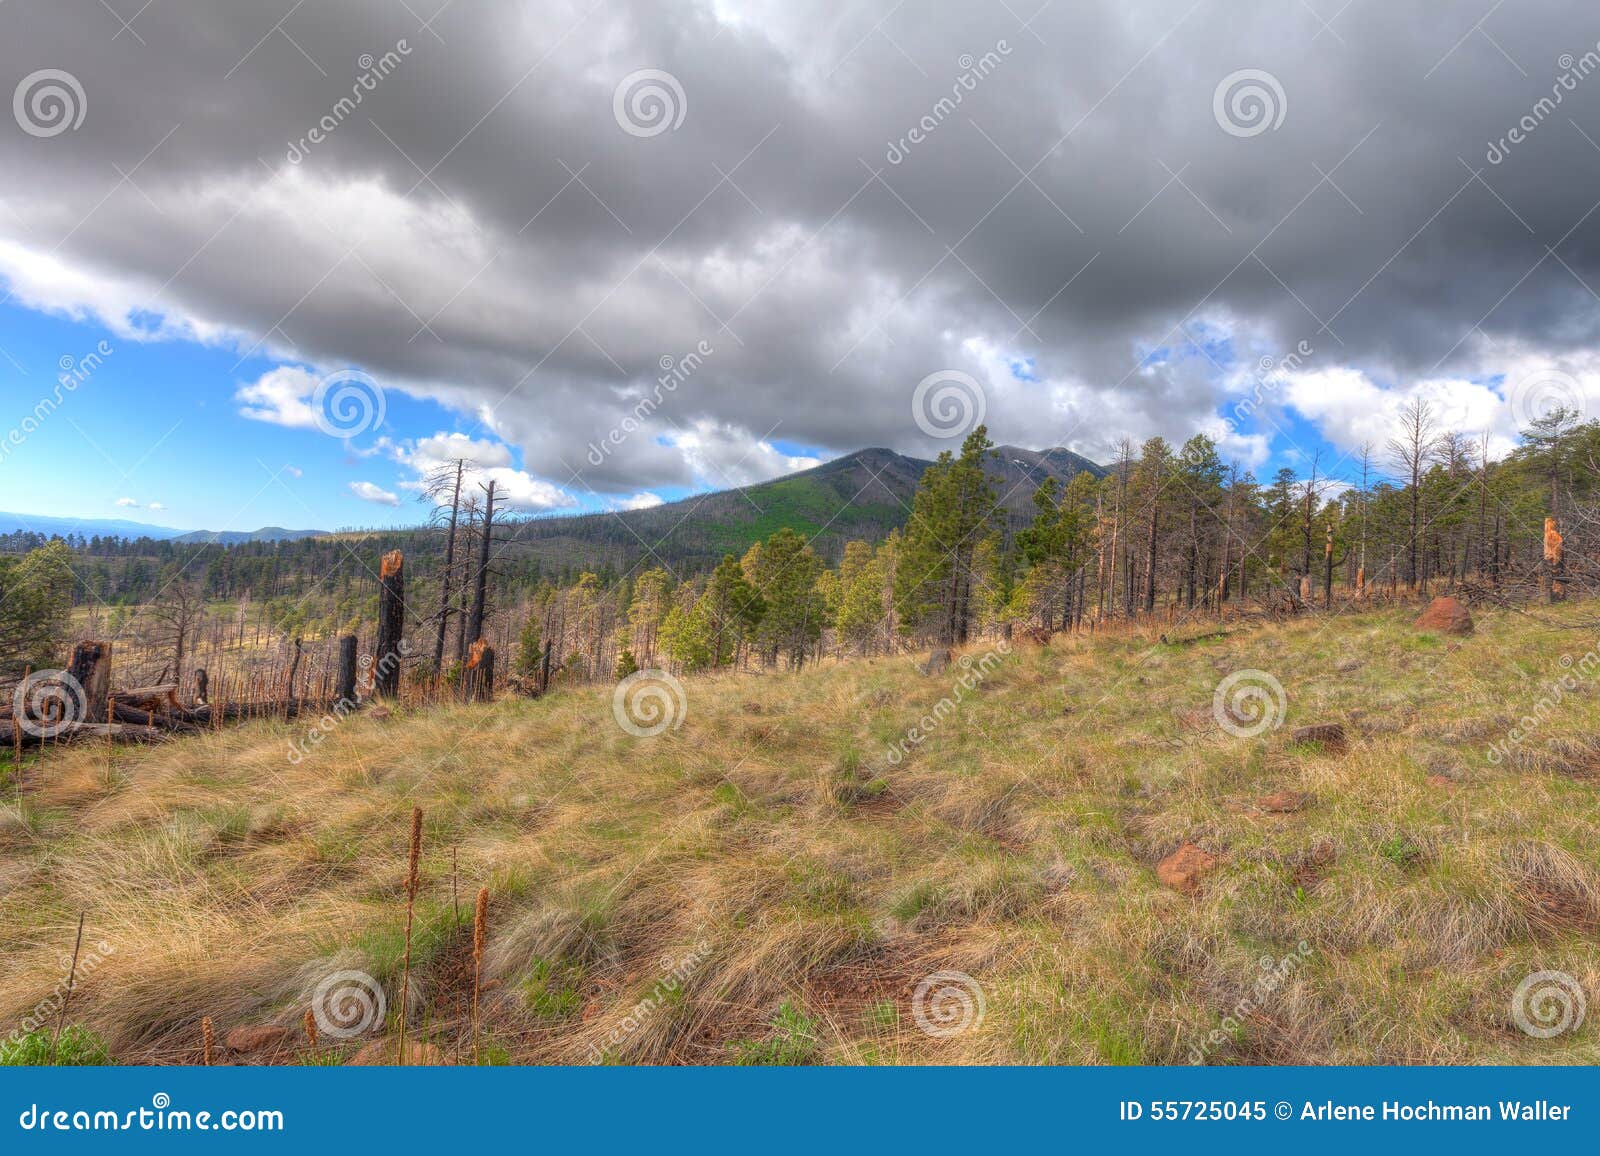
point(281, 396)
point(128, 503)
point(368, 492)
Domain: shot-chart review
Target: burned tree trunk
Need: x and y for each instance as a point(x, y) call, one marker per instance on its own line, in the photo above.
point(478, 677)
point(91, 668)
point(391, 625)
point(481, 597)
point(345, 686)
point(201, 685)
point(1554, 561)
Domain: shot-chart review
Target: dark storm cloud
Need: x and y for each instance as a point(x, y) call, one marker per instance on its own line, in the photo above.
point(480, 228)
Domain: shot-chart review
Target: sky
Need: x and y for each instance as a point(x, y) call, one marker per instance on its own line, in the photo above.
point(273, 262)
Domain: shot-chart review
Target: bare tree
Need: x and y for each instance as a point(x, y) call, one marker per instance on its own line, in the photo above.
point(445, 480)
point(1411, 452)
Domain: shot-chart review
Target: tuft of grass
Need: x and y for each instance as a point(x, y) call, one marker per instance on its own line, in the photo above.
point(793, 1041)
point(78, 1047)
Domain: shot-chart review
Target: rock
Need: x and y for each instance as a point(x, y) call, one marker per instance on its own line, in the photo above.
point(256, 1038)
point(1446, 615)
point(1184, 868)
point(937, 662)
point(1330, 736)
point(386, 1053)
point(1284, 802)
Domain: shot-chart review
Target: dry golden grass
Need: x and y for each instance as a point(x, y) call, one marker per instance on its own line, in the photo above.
point(761, 884)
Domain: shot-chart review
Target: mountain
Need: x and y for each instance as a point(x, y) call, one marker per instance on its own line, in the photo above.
point(122, 528)
point(265, 534)
point(866, 494)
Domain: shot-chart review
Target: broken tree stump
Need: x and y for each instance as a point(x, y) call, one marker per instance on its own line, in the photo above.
point(391, 625)
point(344, 689)
point(478, 677)
point(90, 667)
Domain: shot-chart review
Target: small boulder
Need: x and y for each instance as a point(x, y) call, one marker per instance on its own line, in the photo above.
point(1284, 802)
point(937, 662)
point(385, 1053)
point(1184, 868)
point(1446, 615)
point(1329, 736)
point(256, 1038)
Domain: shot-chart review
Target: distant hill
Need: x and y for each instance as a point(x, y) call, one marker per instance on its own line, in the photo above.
point(122, 528)
point(866, 495)
point(234, 537)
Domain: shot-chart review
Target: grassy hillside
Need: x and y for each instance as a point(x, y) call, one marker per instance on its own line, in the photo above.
point(763, 885)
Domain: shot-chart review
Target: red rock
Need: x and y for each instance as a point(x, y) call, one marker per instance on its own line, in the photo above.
point(1284, 802)
point(1184, 868)
point(386, 1053)
point(256, 1038)
point(1445, 615)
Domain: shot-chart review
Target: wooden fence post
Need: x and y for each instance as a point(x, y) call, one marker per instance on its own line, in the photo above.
point(391, 625)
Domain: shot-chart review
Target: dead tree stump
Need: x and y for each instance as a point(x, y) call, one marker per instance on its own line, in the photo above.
point(391, 625)
point(201, 685)
point(478, 677)
point(91, 668)
point(345, 685)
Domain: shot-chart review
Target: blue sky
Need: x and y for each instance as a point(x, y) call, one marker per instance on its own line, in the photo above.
point(156, 433)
